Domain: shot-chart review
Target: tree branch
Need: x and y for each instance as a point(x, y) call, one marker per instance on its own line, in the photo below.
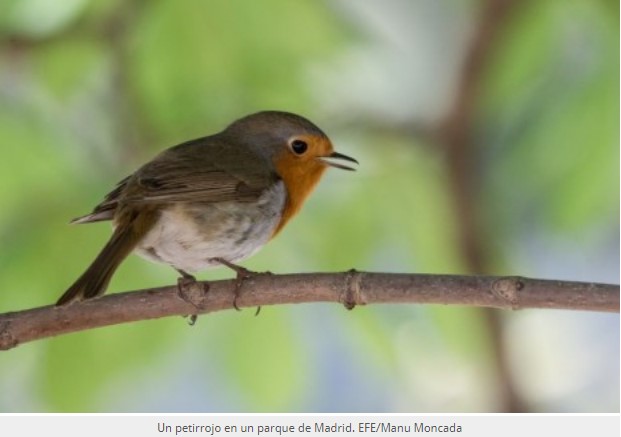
point(349, 288)
point(457, 134)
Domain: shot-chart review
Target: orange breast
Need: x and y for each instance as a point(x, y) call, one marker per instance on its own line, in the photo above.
point(300, 178)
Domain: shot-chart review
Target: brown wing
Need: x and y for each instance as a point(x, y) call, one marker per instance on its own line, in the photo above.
point(204, 170)
point(106, 209)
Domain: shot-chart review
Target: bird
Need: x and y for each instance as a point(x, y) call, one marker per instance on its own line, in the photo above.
point(212, 201)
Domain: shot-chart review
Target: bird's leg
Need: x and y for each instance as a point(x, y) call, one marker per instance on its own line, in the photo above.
point(191, 291)
point(242, 274)
point(185, 279)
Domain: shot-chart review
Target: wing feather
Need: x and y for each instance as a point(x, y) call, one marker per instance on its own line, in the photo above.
point(204, 170)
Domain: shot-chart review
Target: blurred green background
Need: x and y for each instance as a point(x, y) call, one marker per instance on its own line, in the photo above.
point(488, 137)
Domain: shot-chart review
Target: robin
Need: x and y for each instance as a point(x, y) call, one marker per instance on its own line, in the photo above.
point(211, 201)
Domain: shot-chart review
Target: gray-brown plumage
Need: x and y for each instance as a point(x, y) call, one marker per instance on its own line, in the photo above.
point(221, 196)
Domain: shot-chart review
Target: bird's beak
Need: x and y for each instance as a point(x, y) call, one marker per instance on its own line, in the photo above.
point(328, 159)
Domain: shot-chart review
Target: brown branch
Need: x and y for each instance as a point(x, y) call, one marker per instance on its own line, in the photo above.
point(457, 134)
point(350, 289)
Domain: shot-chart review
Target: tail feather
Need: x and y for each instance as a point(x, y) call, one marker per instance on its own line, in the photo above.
point(96, 278)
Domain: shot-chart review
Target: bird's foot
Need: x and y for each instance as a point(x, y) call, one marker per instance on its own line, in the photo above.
point(242, 274)
point(191, 291)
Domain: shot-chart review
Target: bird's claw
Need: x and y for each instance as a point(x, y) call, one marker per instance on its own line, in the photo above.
point(192, 292)
point(241, 274)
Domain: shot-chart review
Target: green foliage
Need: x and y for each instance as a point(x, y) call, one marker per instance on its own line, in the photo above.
point(197, 61)
point(258, 354)
point(553, 96)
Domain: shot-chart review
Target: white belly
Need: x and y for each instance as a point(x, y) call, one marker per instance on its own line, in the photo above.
point(189, 236)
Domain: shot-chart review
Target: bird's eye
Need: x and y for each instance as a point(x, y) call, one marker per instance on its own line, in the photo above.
point(299, 147)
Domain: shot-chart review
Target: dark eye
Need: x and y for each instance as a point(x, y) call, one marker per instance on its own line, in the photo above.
point(299, 146)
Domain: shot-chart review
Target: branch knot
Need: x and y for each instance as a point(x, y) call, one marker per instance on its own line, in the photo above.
point(352, 289)
point(7, 339)
point(508, 289)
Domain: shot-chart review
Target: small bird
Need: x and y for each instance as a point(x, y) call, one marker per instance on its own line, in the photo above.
point(211, 201)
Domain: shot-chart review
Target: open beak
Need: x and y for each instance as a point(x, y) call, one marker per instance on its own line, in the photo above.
point(329, 160)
